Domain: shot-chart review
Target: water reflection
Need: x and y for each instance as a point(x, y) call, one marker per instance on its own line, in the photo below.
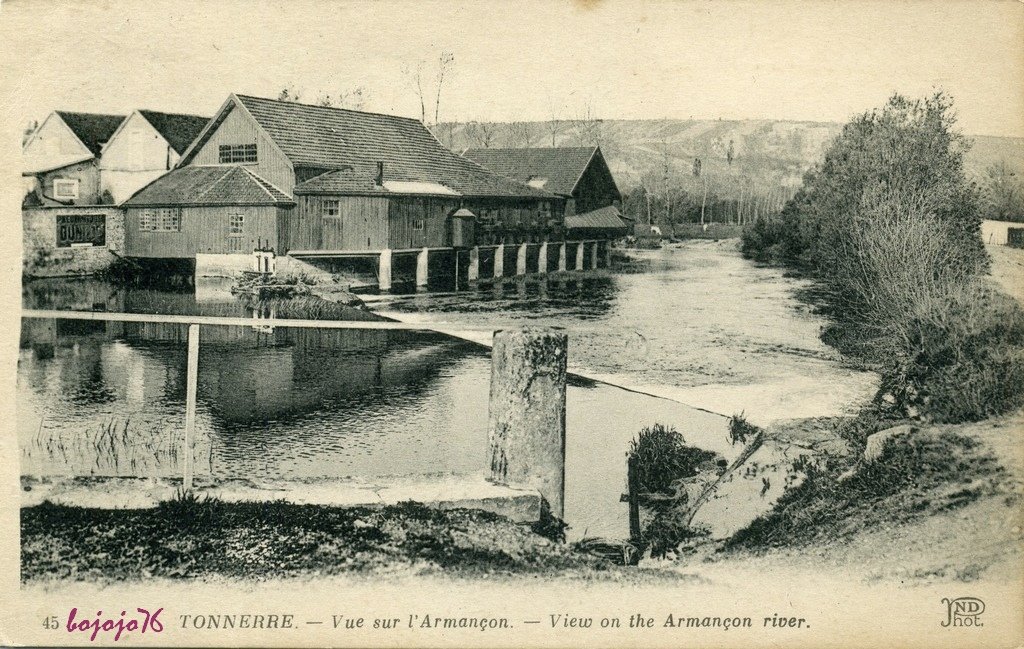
point(276, 403)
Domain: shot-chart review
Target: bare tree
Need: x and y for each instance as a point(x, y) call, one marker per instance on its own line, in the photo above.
point(445, 65)
point(519, 135)
point(413, 74)
point(483, 134)
point(589, 128)
point(555, 124)
point(418, 77)
point(353, 98)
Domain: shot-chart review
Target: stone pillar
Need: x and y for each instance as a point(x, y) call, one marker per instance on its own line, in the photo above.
point(421, 267)
point(526, 427)
point(542, 258)
point(593, 257)
point(499, 260)
point(473, 272)
point(579, 255)
point(384, 270)
point(561, 257)
point(521, 259)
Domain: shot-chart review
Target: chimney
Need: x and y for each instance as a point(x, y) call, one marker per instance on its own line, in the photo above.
point(380, 174)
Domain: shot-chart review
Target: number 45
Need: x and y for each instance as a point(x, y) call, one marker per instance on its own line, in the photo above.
point(51, 623)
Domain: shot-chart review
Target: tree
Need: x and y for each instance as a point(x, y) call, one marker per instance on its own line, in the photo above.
point(555, 125)
point(482, 134)
point(519, 135)
point(589, 128)
point(352, 98)
point(417, 76)
point(1002, 193)
point(906, 153)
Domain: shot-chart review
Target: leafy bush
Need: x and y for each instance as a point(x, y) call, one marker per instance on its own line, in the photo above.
point(661, 458)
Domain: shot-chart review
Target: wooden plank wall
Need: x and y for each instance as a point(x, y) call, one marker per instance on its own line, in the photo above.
point(362, 225)
point(433, 212)
point(239, 128)
point(203, 230)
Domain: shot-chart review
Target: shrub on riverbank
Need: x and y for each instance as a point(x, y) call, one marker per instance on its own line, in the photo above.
point(890, 225)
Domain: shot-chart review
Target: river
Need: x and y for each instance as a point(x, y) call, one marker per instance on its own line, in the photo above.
point(704, 331)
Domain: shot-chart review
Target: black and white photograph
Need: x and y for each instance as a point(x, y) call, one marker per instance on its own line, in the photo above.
point(570, 323)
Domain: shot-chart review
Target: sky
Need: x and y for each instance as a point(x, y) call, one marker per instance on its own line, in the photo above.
point(812, 61)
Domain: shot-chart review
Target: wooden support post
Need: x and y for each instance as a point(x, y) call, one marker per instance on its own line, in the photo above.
point(633, 487)
point(384, 270)
point(191, 377)
point(561, 257)
point(608, 254)
point(521, 259)
point(542, 258)
point(593, 257)
point(579, 255)
point(422, 259)
point(499, 260)
point(526, 427)
point(473, 272)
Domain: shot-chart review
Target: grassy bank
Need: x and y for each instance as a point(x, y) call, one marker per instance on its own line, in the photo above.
point(928, 473)
point(193, 539)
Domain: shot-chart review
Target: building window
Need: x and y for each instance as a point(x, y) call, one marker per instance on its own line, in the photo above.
point(236, 225)
point(332, 207)
point(417, 224)
point(234, 153)
point(81, 230)
point(162, 219)
point(545, 212)
point(65, 188)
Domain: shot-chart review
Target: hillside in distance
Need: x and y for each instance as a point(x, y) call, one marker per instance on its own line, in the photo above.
point(767, 154)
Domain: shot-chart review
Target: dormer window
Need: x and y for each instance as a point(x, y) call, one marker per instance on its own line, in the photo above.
point(238, 153)
point(65, 188)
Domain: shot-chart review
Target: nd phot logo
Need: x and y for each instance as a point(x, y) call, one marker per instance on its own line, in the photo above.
point(963, 611)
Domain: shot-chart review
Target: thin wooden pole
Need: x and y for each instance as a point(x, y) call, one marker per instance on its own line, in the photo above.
point(190, 404)
point(633, 487)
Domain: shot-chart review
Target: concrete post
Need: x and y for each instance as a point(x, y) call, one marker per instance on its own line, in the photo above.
point(526, 428)
point(561, 257)
point(499, 260)
point(579, 255)
point(384, 270)
point(521, 260)
point(542, 259)
point(593, 257)
point(421, 267)
point(473, 272)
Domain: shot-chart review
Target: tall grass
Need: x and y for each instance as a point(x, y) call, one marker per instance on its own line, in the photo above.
point(114, 448)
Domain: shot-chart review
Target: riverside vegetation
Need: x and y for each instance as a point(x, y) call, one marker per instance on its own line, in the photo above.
point(889, 227)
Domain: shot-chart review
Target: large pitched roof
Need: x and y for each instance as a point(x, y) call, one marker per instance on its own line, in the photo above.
point(556, 169)
point(353, 142)
point(178, 130)
point(602, 218)
point(209, 186)
point(91, 128)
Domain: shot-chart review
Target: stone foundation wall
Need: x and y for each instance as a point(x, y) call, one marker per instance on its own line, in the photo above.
point(42, 258)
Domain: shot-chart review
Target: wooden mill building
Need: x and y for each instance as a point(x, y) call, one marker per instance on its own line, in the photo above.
point(318, 182)
point(580, 175)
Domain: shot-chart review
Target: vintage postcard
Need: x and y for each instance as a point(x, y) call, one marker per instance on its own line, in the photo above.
point(512, 324)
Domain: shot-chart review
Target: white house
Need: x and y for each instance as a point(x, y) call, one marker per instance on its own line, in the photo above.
point(146, 145)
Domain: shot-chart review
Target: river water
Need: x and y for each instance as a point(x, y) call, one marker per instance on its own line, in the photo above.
point(704, 331)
